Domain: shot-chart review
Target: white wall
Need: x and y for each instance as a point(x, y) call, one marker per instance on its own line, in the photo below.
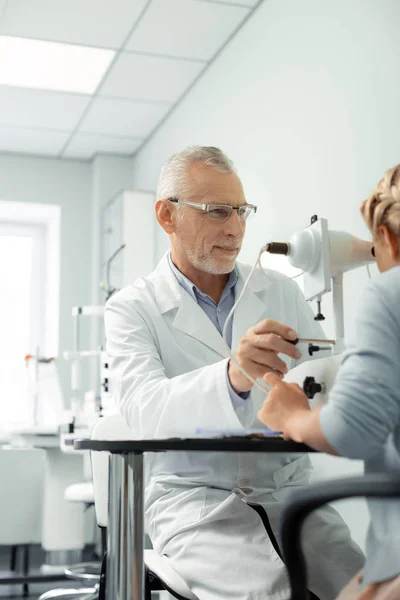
point(67, 184)
point(305, 99)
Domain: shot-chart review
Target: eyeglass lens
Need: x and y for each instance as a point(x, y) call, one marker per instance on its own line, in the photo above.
point(224, 212)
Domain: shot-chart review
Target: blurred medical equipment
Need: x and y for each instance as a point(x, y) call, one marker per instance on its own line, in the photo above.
point(45, 389)
point(127, 252)
point(62, 527)
point(106, 285)
point(323, 256)
point(127, 219)
point(84, 411)
point(75, 356)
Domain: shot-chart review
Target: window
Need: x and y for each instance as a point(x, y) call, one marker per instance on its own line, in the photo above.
point(26, 317)
point(20, 315)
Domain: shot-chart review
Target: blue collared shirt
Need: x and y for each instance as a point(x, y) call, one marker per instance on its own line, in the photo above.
point(217, 313)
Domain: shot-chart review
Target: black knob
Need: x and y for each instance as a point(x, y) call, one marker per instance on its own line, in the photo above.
point(319, 317)
point(311, 387)
point(312, 348)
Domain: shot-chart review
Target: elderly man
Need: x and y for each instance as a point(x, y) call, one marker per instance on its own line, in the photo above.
point(215, 516)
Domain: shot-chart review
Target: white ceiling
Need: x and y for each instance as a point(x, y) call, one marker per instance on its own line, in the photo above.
point(162, 47)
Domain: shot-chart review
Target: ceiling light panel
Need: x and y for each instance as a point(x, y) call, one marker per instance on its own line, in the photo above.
point(123, 117)
point(144, 77)
point(86, 145)
point(32, 141)
point(185, 28)
point(52, 66)
point(34, 108)
point(89, 22)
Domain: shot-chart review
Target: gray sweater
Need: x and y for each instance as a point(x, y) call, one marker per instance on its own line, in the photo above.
point(362, 417)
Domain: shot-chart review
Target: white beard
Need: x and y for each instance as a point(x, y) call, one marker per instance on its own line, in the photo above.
point(208, 264)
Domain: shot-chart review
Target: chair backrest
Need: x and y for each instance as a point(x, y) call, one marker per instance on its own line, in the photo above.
point(22, 472)
point(315, 495)
point(111, 427)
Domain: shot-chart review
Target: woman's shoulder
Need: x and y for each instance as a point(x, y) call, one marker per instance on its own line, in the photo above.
point(386, 288)
point(380, 301)
point(388, 280)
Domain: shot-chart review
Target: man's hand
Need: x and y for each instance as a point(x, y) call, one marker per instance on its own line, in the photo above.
point(258, 353)
point(283, 401)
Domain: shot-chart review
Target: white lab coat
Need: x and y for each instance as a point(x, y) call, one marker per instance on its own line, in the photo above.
point(168, 364)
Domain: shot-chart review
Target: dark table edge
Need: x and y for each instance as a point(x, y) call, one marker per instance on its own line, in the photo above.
point(192, 445)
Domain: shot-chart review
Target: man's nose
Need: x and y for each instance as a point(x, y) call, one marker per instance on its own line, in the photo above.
point(234, 225)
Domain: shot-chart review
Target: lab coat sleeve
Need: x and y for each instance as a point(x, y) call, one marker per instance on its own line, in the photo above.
point(237, 400)
point(153, 404)
point(364, 404)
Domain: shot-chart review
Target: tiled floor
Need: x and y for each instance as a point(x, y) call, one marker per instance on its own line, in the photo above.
point(14, 592)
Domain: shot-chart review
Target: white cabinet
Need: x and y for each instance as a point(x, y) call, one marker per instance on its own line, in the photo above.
point(128, 219)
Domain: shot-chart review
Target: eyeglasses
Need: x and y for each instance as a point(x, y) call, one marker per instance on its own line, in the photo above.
point(221, 212)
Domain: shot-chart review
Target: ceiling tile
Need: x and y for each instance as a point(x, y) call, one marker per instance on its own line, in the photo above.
point(36, 108)
point(88, 22)
point(185, 28)
point(86, 145)
point(123, 117)
point(32, 141)
point(140, 76)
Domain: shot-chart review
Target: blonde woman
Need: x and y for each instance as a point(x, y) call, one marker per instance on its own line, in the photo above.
point(362, 418)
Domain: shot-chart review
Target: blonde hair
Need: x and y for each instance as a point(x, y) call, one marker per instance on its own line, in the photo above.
point(383, 206)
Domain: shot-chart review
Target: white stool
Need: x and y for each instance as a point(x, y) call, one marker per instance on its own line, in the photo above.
point(88, 572)
point(80, 492)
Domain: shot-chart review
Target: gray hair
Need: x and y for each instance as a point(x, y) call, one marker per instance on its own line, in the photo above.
point(173, 182)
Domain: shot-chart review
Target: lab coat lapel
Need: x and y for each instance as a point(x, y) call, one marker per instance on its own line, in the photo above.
point(250, 310)
point(193, 321)
point(190, 318)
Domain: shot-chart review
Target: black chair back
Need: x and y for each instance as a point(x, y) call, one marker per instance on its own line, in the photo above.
point(315, 495)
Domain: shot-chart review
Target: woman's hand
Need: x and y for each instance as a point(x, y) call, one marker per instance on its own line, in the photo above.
point(282, 402)
point(286, 409)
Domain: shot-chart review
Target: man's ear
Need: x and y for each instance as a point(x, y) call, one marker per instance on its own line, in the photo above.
point(392, 241)
point(165, 214)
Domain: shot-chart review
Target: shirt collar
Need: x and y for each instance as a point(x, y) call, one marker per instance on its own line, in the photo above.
point(193, 290)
